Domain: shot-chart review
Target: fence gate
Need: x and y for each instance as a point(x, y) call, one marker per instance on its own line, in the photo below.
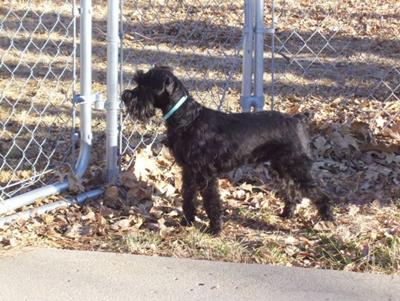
point(37, 82)
point(39, 101)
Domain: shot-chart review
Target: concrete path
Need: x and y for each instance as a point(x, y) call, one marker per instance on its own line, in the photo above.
point(48, 274)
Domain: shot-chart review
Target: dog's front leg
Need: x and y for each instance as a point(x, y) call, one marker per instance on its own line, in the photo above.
point(322, 203)
point(189, 194)
point(212, 205)
point(291, 198)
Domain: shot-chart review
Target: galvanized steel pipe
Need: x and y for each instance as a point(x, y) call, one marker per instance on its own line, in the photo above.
point(259, 57)
point(247, 62)
point(112, 103)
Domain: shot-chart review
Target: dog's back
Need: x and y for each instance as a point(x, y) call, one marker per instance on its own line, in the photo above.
point(248, 137)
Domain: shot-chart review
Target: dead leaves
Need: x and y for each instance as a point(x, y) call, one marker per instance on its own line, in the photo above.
point(143, 214)
point(144, 164)
point(354, 165)
point(152, 175)
point(111, 193)
point(393, 131)
point(78, 230)
point(125, 224)
point(337, 142)
point(324, 226)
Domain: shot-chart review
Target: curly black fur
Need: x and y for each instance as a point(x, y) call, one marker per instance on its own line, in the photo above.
point(207, 143)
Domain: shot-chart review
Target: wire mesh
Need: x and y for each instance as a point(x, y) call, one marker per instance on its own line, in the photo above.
point(37, 77)
point(339, 59)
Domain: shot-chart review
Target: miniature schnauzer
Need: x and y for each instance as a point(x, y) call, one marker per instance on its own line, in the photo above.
point(208, 143)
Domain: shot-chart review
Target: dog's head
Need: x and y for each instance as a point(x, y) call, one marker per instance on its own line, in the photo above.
point(154, 89)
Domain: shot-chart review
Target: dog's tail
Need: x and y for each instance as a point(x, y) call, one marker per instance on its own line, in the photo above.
point(303, 128)
point(303, 134)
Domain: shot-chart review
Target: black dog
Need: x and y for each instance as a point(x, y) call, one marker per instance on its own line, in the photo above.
point(208, 143)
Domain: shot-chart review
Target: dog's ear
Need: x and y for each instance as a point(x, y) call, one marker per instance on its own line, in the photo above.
point(169, 83)
point(163, 67)
point(138, 77)
point(127, 96)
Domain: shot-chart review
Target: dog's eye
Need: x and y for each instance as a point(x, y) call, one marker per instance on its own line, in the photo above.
point(127, 95)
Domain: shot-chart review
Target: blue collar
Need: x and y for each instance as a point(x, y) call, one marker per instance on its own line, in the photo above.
point(175, 107)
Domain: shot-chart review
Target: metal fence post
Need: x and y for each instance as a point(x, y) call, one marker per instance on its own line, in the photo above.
point(253, 56)
point(86, 88)
point(112, 103)
point(259, 56)
point(248, 50)
point(271, 31)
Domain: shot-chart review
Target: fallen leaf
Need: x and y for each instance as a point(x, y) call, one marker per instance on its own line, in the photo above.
point(323, 226)
point(47, 218)
point(138, 193)
point(290, 240)
point(111, 193)
point(73, 231)
point(89, 216)
point(145, 164)
point(75, 184)
point(164, 231)
point(128, 179)
point(380, 121)
point(122, 224)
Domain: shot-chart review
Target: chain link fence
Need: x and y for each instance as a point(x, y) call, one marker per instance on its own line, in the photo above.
point(339, 59)
point(37, 72)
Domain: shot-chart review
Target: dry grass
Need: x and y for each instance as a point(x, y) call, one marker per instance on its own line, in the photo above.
point(351, 86)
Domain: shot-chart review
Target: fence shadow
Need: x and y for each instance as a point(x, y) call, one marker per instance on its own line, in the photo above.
point(207, 52)
point(199, 35)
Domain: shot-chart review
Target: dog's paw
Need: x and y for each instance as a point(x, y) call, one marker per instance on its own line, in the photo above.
point(287, 214)
point(214, 228)
point(186, 223)
point(213, 231)
point(326, 216)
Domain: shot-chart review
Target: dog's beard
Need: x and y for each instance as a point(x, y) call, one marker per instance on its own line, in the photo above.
point(138, 110)
point(145, 111)
point(141, 111)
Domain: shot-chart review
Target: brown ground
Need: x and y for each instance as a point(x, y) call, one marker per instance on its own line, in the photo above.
point(339, 60)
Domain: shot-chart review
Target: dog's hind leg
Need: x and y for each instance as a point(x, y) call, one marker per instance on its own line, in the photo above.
point(189, 194)
point(286, 189)
point(321, 201)
point(212, 205)
point(304, 185)
point(291, 197)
